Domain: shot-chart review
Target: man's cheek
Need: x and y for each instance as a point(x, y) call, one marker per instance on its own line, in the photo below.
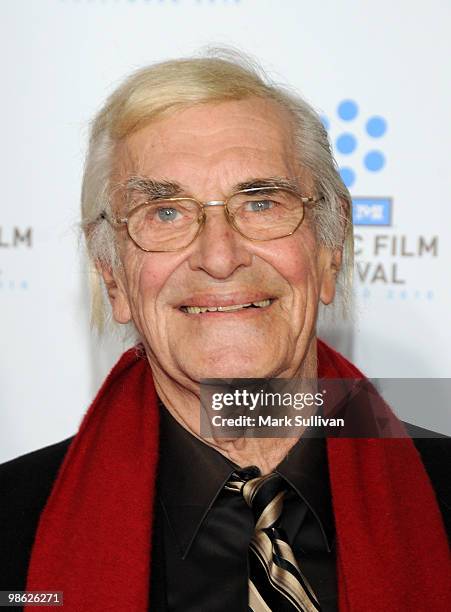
point(155, 271)
point(297, 268)
point(293, 256)
point(150, 280)
point(302, 266)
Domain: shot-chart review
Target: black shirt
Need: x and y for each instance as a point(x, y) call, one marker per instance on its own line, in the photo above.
point(205, 530)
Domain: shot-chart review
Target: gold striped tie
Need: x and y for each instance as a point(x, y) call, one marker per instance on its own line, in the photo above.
point(276, 584)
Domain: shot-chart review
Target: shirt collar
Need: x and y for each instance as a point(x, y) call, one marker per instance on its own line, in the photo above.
point(191, 475)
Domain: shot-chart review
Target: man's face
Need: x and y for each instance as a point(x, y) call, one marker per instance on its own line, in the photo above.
point(208, 149)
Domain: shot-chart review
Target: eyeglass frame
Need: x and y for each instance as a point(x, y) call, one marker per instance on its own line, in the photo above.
point(201, 220)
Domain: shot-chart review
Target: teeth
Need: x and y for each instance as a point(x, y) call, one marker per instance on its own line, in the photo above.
point(202, 309)
point(195, 309)
point(234, 307)
point(262, 304)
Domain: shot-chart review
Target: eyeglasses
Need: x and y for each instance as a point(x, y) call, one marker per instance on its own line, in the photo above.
point(172, 224)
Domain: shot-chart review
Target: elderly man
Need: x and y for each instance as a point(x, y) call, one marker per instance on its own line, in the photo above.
point(217, 222)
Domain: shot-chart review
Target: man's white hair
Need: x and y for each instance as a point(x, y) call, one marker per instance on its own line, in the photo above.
point(161, 89)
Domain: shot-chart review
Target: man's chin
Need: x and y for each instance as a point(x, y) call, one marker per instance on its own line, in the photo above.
point(232, 369)
point(231, 358)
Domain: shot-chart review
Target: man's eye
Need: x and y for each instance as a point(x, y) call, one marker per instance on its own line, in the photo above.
point(259, 205)
point(167, 214)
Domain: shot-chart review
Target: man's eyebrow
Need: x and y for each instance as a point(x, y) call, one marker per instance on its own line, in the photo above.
point(153, 189)
point(267, 182)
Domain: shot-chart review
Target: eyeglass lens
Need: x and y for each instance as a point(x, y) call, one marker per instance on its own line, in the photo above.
point(172, 224)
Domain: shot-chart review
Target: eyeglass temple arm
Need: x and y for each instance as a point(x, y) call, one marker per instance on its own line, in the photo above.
point(104, 216)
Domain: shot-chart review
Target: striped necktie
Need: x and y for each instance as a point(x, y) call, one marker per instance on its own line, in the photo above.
point(276, 584)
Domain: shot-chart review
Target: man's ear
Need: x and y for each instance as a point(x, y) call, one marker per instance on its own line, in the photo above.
point(116, 293)
point(332, 264)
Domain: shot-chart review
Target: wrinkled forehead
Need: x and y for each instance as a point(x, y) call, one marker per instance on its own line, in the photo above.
point(213, 146)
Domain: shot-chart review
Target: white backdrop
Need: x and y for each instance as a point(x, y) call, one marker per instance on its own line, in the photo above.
point(383, 61)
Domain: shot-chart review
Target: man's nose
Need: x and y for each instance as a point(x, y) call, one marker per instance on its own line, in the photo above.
point(219, 250)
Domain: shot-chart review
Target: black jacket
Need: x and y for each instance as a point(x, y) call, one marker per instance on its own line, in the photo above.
point(26, 482)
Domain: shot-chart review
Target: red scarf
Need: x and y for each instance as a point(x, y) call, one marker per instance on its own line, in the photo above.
point(94, 535)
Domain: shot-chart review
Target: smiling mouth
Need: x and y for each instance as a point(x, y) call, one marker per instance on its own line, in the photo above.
point(232, 308)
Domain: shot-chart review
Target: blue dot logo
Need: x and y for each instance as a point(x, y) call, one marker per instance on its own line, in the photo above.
point(374, 161)
point(348, 110)
point(347, 176)
point(346, 142)
point(376, 127)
